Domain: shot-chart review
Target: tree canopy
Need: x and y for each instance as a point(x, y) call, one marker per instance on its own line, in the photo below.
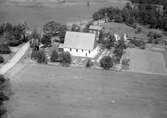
point(13, 34)
point(53, 28)
point(106, 62)
point(144, 14)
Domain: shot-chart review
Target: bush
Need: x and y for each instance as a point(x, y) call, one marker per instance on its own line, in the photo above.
point(1, 59)
point(89, 63)
point(138, 30)
point(116, 59)
point(154, 37)
point(118, 52)
point(65, 58)
point(4, 49)
point(138, 43)
point(3, 94)
point(2, 110)
point(41, 57)
point(106, 62)
point(34, 54)
point(46, 40)
point(54, 56)
point(125, 62)
point(14, 43)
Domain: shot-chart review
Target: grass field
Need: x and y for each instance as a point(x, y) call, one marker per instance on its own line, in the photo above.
point(42, 91)
point(147, 61)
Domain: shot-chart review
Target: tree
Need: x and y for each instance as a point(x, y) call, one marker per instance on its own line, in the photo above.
point(106, 62)
point(108, 41)
point(19, 31)
point(46, 40)
point(6, 27)
point(54, 56)
point(53, 28)
point(35, 40)
point(65, 58)
point(75, 28)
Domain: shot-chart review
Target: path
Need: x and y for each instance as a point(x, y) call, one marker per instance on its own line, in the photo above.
point(4, 69)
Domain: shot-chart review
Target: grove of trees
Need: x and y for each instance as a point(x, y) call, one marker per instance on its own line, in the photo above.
point(53, 28)
point(12, 35)
point(145, 14)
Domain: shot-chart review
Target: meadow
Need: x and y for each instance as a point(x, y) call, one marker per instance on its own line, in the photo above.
point(43, 91)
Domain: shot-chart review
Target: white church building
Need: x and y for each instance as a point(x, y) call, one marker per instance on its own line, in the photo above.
point(80, 44)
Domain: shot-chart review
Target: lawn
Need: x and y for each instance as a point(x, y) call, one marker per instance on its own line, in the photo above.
point(42, 91)
point(121, 28)
point(146, 61)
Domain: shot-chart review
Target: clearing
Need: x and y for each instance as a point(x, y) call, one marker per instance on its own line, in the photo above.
point(42, 91)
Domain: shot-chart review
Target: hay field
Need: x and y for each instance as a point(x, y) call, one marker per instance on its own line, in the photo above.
point(42, 91)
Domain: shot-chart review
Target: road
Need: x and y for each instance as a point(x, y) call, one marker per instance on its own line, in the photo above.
point(5, 68)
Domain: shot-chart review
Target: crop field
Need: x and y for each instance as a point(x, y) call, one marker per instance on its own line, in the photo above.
point(37, 16)
point(42, 91)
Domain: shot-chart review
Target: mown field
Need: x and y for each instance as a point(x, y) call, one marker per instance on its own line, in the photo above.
point(146, 61)
point(42, 91)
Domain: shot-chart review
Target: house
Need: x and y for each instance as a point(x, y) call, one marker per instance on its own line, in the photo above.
point(80, 44)
point(96, 29)
point(99, 22)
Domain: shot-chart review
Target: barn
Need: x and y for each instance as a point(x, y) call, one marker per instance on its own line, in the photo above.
point(80, 44)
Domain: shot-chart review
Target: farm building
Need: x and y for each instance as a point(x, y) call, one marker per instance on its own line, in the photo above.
point(80, 44)
point(96, 29)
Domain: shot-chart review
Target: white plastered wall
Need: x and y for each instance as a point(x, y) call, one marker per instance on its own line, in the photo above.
point(82, 53)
